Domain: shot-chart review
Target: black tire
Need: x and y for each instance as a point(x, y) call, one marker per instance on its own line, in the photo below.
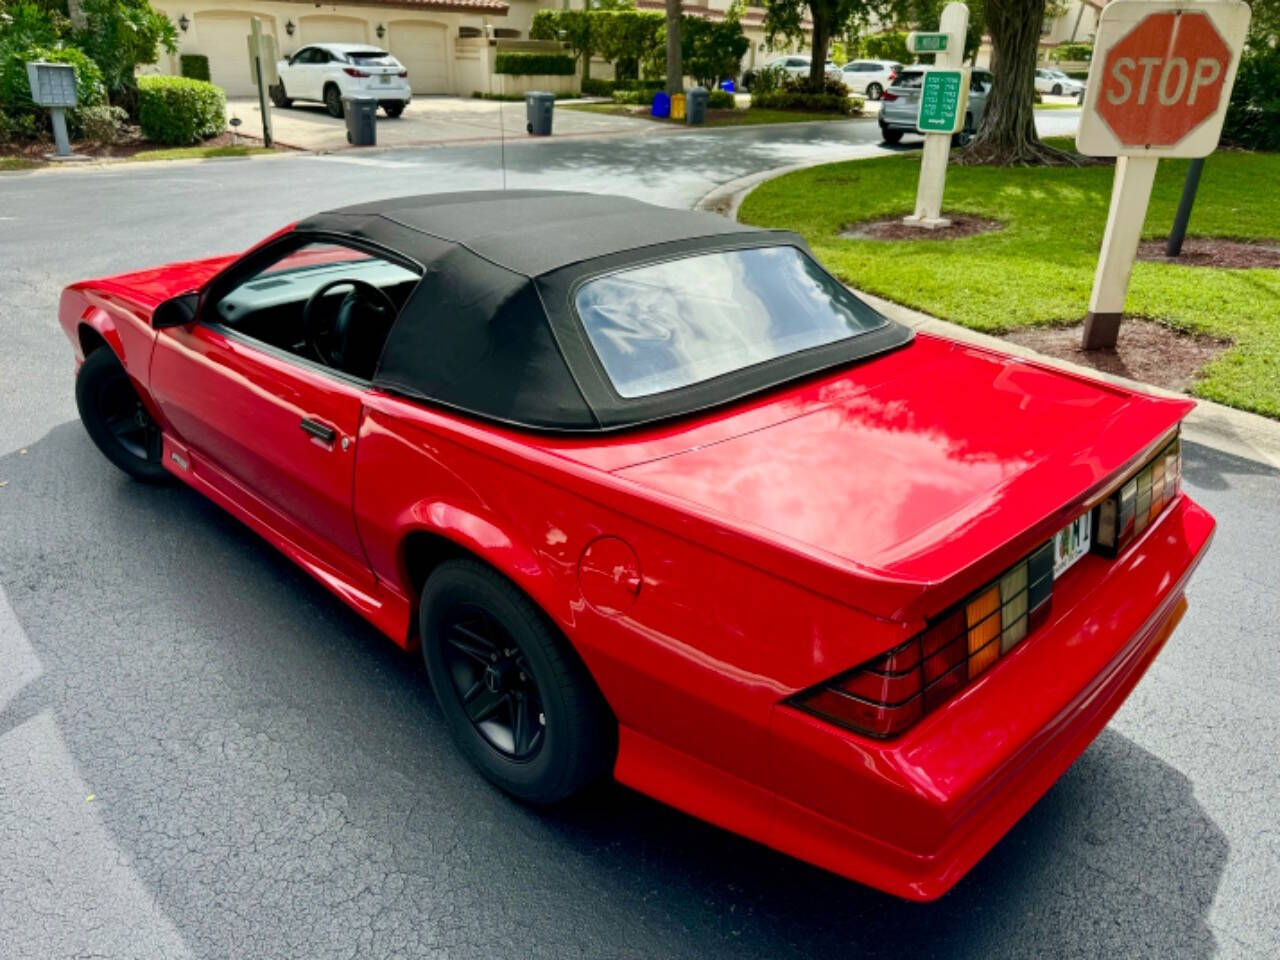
point(1057, 90)
point(333, 101)
point(116, 420)
point(393, 108)
point(965, 136)
point(279, 97)
point(890, 135)
point(874, 91)
point(491, 653)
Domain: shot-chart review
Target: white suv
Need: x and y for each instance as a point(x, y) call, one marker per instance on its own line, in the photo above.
point(327, 72)
point(798, 66)
point(870, 78)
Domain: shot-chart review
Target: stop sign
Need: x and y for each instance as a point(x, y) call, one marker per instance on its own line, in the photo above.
point(1161, 77)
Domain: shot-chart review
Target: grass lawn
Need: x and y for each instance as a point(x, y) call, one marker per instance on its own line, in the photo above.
point(198, 153)
point(1039, 269)
point(17, 163)
point(715, 118)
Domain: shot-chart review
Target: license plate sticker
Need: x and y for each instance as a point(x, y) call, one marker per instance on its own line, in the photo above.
point(1071, 543)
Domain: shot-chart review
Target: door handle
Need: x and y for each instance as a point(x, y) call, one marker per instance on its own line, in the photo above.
point(321, 431)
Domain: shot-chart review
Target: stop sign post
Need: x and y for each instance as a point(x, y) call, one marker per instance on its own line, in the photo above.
point(1159, 84)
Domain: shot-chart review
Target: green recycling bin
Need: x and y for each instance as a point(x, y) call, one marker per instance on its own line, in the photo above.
point(539, 107)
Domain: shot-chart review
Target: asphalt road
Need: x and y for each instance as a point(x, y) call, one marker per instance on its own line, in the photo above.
point(203, 754)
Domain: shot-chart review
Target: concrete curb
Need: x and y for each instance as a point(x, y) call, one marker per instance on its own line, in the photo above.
point(1223, 428)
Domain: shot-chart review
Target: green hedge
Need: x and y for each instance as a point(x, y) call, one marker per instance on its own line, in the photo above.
point(180, 111)
point(817, 102)
point(592, 87)
point(640, 95)
point(195, 66)
point(721, 100)
point(1253, 116)
point(534, 64)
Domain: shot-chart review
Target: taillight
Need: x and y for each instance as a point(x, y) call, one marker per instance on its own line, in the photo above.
point(1131, 507)
point(893, 75)
point(886, 695)
point(889, 95)
point(353, 72)
point(403, 73)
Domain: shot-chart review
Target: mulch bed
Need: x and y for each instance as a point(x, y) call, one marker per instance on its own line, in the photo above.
point(128, 145)
point(892, 228)
point(1145, 351)
point(1216, 252)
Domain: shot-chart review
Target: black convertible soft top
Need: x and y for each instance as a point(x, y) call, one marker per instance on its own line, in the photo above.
point(491, 329)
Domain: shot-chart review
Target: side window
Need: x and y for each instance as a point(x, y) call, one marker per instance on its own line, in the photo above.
point(326, 302)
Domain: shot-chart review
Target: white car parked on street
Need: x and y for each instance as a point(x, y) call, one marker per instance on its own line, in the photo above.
point(870, 78)
point(1057, 83)
point(327, 72)
point(798, 66)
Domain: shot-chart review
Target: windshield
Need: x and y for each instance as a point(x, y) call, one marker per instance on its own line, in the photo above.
point(673, 324)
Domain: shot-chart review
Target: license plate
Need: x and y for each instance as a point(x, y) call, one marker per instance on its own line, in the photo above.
point(1071, 543)
point(386, 78)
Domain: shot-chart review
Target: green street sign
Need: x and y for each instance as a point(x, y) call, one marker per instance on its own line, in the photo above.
point(928, 42)
point(943, 96)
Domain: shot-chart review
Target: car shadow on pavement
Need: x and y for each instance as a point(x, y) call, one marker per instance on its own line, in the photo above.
point(277, 774)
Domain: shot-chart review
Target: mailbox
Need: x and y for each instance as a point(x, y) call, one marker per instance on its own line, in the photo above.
point(52, 84)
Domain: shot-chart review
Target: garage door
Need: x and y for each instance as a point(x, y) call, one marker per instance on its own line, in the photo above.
point(333, 30)
point(221, 38)
point(422, 48)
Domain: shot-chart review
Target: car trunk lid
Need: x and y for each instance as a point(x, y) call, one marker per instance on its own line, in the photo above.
point(961, 457)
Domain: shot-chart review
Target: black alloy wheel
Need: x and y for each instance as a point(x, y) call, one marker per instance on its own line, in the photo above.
point(874, 91)
point(520, 705)
point(492, 679)
point(1057, 90)
point(116, 419)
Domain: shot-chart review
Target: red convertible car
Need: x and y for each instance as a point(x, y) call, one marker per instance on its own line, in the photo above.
point(660, 498)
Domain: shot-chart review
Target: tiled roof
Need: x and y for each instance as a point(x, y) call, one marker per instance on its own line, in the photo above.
point(494, 7)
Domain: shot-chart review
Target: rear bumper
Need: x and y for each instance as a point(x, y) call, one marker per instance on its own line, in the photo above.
point(912, 815)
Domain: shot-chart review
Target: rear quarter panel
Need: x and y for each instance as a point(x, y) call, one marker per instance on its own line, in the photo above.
point(699, 658)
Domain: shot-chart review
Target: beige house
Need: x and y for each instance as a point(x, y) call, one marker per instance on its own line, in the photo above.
point(447, 45)
point(444, 44)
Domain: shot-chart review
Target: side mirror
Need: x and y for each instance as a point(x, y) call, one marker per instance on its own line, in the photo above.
point(176, 311)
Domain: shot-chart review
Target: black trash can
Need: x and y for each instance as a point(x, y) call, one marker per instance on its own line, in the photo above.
point(362, 120)
point(539, 106)
point(695, 108)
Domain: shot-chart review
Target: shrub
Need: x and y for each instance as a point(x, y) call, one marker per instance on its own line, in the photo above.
point(103, 123)
point(721, 100)
point(1253, 116)
point(639, 95)
point(195, 66)
point(887, 46)
point(1065, 52)
point(180, 111)
point(122, 35)
point(598, 88)
point(534, 64)
point(816, 102)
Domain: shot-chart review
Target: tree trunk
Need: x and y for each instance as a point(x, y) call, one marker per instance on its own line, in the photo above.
point(675, 69)
point(818, 48)
point(75, 12)
point(1007, 135)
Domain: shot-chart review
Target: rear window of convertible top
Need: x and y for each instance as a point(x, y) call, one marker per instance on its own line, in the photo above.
point(680, 322)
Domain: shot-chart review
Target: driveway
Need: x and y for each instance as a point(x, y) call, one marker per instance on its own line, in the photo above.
point(204, 754)
point(426, 121)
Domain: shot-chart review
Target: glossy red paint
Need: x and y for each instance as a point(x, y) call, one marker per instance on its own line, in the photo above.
point(707, 569)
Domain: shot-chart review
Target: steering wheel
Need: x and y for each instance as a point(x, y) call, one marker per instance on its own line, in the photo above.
point(329, 342)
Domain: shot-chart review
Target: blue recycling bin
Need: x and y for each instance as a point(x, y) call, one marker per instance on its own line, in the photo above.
point(661, 104)
point(728, 85)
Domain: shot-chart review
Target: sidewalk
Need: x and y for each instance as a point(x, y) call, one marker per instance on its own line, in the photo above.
point(1232, 431)
point(427, 121)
